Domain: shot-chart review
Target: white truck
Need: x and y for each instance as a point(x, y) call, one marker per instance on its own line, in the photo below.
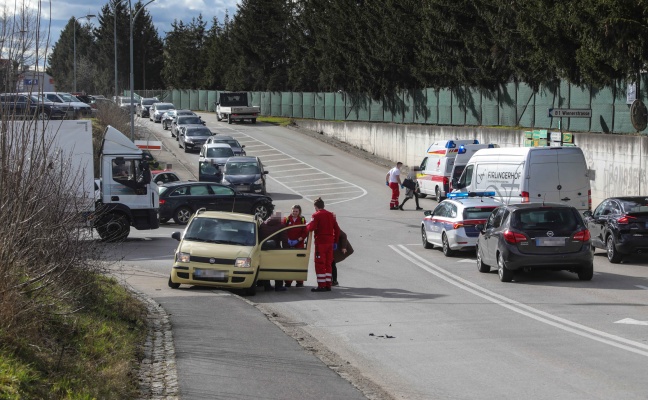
point(234, 106)
point(126, 196)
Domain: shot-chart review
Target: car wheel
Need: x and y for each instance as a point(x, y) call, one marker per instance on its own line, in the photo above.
point(593, 249)
point(254, 120)
point(41, 116)
point(613, 254)
point(422, 195)
point(182, 215)
point(447, 251)
point(263, 210)
point(437, 194)
point(505, 274)
point(172, 284)
point(113, 228)
point(586, 273)
point(481, 266)
point(426, 244)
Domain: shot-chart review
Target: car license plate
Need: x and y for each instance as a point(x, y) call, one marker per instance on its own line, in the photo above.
point(243, 188)
point(550, 241)
point(209, 273)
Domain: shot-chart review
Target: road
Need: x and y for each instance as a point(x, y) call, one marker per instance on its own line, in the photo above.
point(413, 323)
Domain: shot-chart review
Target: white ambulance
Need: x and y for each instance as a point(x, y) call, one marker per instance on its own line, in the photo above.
point(529, 175)
point(443, 161)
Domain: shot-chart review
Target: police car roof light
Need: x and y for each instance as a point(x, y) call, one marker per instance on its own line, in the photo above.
point(469, 194)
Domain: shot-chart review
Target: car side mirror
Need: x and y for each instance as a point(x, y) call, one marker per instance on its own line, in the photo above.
point(204, 123)
point(176, 235)
point(266, 172)
point(428, 213)
point(479, 227)
point(242, 146)
point(587, 213)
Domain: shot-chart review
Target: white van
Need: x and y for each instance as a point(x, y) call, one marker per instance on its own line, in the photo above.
point(435, 172)
point(529, 175)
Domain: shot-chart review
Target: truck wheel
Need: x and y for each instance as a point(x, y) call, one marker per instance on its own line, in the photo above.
point(219, 117)
point(505, 274)
point(113, 228)
point(229, 118)
point(172, 284)
point(182, 215)
point(254, 120)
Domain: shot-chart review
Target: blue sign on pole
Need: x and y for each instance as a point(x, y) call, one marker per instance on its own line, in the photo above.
point(31, 82)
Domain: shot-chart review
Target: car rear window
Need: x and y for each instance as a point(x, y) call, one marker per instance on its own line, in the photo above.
point(544, 218)
point(635, 206)
point(199, 132)
point(214, 152)
point(163, 106)
point(189, 120)
point(477, 212)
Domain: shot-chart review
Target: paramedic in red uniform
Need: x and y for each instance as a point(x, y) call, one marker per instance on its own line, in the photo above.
point(295, 237)
point(327, 233)
point(393, 180)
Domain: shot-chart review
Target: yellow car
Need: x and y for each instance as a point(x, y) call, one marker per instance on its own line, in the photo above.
point(223, 249)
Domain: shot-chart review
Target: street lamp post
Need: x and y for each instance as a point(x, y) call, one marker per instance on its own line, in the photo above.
point(75, 24)
point(132, 76)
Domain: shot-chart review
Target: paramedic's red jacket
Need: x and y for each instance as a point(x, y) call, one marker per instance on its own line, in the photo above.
point(325, 226)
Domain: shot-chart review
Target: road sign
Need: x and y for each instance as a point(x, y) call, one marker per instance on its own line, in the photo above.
point(570, 113)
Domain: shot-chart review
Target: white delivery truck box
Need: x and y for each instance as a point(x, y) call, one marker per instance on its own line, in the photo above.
point(435, 171)
point(529, 175)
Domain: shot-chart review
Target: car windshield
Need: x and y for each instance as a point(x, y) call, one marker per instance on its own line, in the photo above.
point(222, 231)
point(635, 205)
point(189, 121)
point(199, 132)
point(186, 113)
point(164, 107)
point(148, 102)
point(477, 212)
point(232, 143)
point(241, 168)
point(68, 97)
point(544, 218)
point(219, 152)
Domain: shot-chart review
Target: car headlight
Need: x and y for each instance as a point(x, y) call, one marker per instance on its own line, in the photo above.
point(243, 262)
point(183, 257)
point(188, 140)
point(225, 181)
point(258, 181)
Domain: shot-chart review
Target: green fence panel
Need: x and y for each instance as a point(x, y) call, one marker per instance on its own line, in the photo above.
point(376, 111)
point(432, 106)
point(525, 105)
point(275, 104)
point(419, 109)
point(508, 104)
point(194, 100)
point(358, 107)
point(297, 110)
point(266, 103)
point(255, 99)
point(579, 97)
point(329, 106)
point(445, 107)
point(339, 106)
point(390, 113)
point(602, 110)
point(211, 100)
point(458, 112)
point(320, 105)
point(308, 105)
point(202, 100)
point(175, 98)
point(490, 109)
point(545, 98)
point(286, 104)
point(473, 107)
point(622, 122)
point(408, 114)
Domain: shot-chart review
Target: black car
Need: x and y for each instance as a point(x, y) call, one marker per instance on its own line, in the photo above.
point(246, 174)
point(620, 226)
point(21, 105)
point(179, 200)
point(535, 236)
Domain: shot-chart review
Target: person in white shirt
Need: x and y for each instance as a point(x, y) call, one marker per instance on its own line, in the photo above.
point(393, 180)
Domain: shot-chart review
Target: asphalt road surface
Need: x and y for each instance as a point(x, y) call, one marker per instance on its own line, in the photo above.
point(405, 322)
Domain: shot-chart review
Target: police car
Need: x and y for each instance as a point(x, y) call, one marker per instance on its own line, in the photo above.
point(452, 224)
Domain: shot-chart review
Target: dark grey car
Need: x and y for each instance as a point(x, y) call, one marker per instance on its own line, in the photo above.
point(245, 174)
point(535, 236)
point(184, 120)
point(192, 137)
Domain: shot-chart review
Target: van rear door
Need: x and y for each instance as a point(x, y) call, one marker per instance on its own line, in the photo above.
point(543, 181)
point(574, 181)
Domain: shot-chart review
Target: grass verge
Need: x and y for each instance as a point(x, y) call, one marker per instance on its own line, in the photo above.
point(281, 121)
point(92, 353)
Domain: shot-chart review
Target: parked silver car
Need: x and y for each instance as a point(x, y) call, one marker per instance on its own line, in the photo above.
point(157, 109)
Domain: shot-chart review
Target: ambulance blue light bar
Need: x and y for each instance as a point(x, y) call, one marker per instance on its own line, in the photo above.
point(459, 195)
point(451, 144)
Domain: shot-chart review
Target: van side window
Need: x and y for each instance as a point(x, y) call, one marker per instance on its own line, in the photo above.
point(466, 177)
point(424, 164)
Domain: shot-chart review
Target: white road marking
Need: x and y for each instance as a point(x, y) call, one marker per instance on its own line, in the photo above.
point(631, 321)
point(523, 309)
point(466, 260)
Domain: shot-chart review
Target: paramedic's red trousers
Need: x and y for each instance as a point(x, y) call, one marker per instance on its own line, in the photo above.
point(323, 261)
point(395, 194)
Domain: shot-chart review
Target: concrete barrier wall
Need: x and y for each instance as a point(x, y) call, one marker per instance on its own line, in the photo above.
point(617, 163)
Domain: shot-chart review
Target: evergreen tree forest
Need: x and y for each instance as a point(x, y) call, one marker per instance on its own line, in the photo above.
point(375, 47)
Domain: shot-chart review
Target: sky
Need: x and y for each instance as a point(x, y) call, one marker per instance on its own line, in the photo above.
point(163, 12)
